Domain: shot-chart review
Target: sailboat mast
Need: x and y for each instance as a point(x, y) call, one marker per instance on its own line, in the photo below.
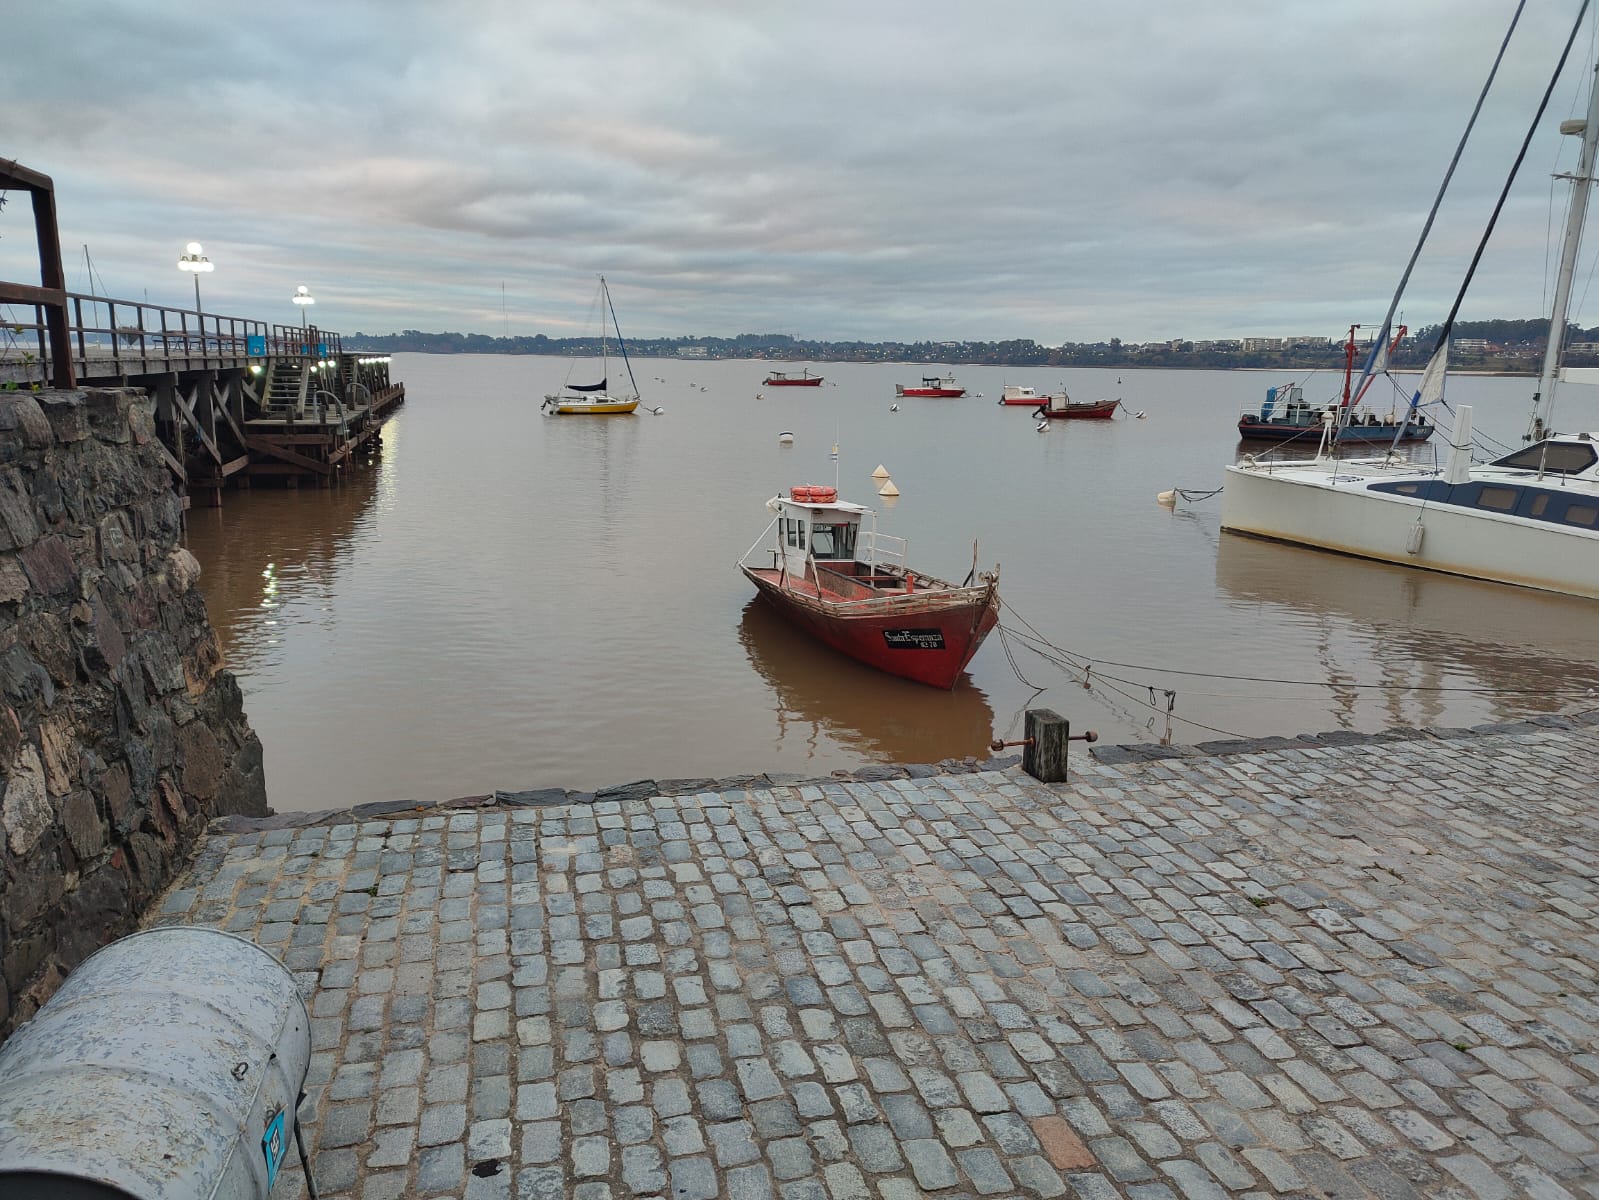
point(1543, 400)
point(621, 345)
point(605, 353)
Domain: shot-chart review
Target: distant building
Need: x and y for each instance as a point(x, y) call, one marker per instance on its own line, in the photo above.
point(1256, 344)
point(1473, 345)
point(691, 351)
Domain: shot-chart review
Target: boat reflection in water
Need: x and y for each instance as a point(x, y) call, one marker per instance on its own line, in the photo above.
point(1502, 653)
point(822, 694)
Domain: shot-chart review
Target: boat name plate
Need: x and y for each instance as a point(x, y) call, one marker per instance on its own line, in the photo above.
point(914, 639)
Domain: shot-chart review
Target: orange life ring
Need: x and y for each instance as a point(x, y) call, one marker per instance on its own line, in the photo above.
point(824, 495)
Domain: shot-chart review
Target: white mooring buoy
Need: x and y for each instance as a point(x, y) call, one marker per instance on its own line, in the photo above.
point(881, 472)
point(1167, 499)
point(786, 438)
point(888, 488)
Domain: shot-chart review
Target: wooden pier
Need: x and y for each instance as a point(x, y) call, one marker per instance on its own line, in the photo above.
point(236, 400)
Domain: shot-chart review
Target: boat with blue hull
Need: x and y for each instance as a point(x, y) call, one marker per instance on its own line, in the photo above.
point(1287, 417)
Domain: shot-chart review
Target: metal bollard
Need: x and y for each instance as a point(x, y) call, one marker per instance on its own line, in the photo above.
point(169, 1066)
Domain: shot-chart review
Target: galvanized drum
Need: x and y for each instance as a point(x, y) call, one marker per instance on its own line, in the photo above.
point(168, 1066)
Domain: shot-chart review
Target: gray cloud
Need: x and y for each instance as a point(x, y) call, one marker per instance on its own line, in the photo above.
point(894, 170)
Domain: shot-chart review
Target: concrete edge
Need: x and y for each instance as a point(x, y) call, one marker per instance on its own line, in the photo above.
point(642, 789)
point(1154, 752)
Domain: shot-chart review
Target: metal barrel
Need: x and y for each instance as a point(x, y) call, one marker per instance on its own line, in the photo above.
point(167, 1066)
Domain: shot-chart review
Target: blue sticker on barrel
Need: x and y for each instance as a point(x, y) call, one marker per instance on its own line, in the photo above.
point(273, 1144)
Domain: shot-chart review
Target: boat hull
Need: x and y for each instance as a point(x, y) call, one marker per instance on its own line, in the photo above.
point(1084, 412)
point(602, 408)
point(817, 382)
point(928, 636)
point(948, 392)
point(1025, 401)
point(1279, 432)
point(1346, 519)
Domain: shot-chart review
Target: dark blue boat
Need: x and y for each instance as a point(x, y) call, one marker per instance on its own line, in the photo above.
point(1299, 421)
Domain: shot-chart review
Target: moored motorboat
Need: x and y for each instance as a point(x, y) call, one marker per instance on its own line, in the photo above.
point(1286, 417)
point(803, 379)
point(849, 587)
point(1060, 406)
point(1022, 396)
point(932, 385)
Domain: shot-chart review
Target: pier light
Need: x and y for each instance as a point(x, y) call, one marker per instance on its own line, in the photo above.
point(194, 261)
point(302, 297)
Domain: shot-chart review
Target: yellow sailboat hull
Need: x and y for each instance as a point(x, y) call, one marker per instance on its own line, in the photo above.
point(572, 406)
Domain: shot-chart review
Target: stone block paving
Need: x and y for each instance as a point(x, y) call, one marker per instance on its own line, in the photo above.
point(1355, 971)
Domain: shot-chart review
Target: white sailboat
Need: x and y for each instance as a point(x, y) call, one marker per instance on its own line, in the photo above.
point(1530, 517)
point(594, 398)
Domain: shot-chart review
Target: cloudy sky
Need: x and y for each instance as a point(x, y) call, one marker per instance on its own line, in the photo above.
point(1063, 170)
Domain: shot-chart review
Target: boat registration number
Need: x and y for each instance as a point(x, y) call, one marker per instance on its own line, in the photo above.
point(914, 639)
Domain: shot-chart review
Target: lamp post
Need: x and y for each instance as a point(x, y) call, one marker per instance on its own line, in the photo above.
point(194, 261)
point(303, 297)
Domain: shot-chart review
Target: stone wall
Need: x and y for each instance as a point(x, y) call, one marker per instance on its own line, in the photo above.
point(121, 735)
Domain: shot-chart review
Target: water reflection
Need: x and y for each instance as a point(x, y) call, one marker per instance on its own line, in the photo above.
point(1529, 652)
point(821, 692)
point(269, 558)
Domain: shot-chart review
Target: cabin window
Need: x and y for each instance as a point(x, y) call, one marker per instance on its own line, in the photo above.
point(794, 532)
point(833, 541)
point(1563, 458)
point(1497, 498)
point(1582, 514)
point(1408, 489)
point(1539, 503)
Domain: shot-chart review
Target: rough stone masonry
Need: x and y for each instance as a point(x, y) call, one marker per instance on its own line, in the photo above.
point(1339, 970)
point(120, 733)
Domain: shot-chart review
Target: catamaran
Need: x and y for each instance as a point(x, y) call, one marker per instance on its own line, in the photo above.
point(1529, 517)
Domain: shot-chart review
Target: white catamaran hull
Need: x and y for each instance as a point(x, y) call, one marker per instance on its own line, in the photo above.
point(1338, 514)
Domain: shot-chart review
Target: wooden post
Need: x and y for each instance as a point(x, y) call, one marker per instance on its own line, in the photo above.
point(1048, 734)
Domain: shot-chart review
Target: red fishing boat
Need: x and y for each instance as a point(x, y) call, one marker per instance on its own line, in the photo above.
point(1060, 406)
point(849, 587)
point(932, 385)
point(803, 379)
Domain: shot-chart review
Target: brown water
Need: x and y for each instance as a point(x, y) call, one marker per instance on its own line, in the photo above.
point(504, 600)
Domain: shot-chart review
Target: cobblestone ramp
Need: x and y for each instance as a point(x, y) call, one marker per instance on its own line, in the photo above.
point(1363, 971)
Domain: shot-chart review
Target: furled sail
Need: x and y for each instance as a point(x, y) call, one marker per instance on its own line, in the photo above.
point(587, 387)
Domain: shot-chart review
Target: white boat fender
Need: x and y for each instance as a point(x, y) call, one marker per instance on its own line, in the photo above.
point(1167, 499)
point(1413, 541)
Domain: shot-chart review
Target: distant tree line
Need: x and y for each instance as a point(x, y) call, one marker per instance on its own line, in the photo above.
point(1503, 345)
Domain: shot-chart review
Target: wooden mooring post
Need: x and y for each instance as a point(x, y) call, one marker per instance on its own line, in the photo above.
point(1044, 747)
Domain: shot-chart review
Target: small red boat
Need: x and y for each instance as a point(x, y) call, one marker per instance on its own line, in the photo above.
point(849, 588)
point(803, 379)
point(1060, 406)
point(932, 385)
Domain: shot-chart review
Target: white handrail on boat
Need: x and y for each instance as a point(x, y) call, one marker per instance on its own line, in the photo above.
point(883, 547)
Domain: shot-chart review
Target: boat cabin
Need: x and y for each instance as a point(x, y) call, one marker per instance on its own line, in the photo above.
point(820, 538)
point(1292, 397)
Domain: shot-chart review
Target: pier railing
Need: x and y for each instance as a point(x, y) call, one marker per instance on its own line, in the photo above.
point(123, 338)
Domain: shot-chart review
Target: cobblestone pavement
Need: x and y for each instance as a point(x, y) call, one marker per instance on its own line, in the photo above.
point(1362, 971)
